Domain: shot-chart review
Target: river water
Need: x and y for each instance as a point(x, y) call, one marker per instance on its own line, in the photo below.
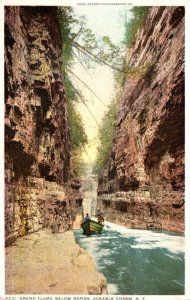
point(137, 262)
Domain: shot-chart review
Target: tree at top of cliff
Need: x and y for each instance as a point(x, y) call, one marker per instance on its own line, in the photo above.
point(80, 43)
point(135, 22)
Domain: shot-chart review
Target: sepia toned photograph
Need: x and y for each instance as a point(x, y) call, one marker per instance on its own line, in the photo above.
point(94, 149)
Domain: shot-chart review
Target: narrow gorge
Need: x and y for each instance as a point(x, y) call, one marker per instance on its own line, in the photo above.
point(142, 184)
point(136, 182)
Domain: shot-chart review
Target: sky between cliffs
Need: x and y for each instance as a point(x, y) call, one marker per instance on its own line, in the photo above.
point(103, 21)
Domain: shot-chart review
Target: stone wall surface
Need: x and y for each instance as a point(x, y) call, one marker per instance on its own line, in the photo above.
point(142, 185)
point(37, 148)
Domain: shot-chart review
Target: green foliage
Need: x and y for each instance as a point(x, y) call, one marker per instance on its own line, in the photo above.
point(132, 26)
point(139, 15)
point(77, 132)
point(82, 44)
point(71, 94)
point(78, 137)
point(135, 72)
point(105, 137)
point(66, 23)
point(106, 130)
point(77, 165)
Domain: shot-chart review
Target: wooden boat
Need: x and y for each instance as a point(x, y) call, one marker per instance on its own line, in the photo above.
point(91, 226)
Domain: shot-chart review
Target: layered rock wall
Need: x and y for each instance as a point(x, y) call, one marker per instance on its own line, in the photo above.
point(142, 184)
point(37, 149)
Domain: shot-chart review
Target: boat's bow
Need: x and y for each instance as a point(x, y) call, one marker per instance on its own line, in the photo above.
point(91, 226)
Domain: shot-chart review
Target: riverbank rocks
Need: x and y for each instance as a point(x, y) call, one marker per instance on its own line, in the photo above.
point(142, 185)
point(39, 192)
point(46, 263)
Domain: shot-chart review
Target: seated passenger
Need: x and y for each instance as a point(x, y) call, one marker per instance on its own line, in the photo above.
point(87, 217)
point(100, 219)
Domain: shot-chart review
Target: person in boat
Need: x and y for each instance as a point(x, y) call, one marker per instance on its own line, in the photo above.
point(100, 219)
point(87, 217)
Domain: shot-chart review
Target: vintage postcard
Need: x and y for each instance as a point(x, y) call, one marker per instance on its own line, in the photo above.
point(94, 149)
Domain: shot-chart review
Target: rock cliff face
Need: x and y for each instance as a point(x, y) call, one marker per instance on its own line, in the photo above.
point(37, 149)
point(142, 184)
